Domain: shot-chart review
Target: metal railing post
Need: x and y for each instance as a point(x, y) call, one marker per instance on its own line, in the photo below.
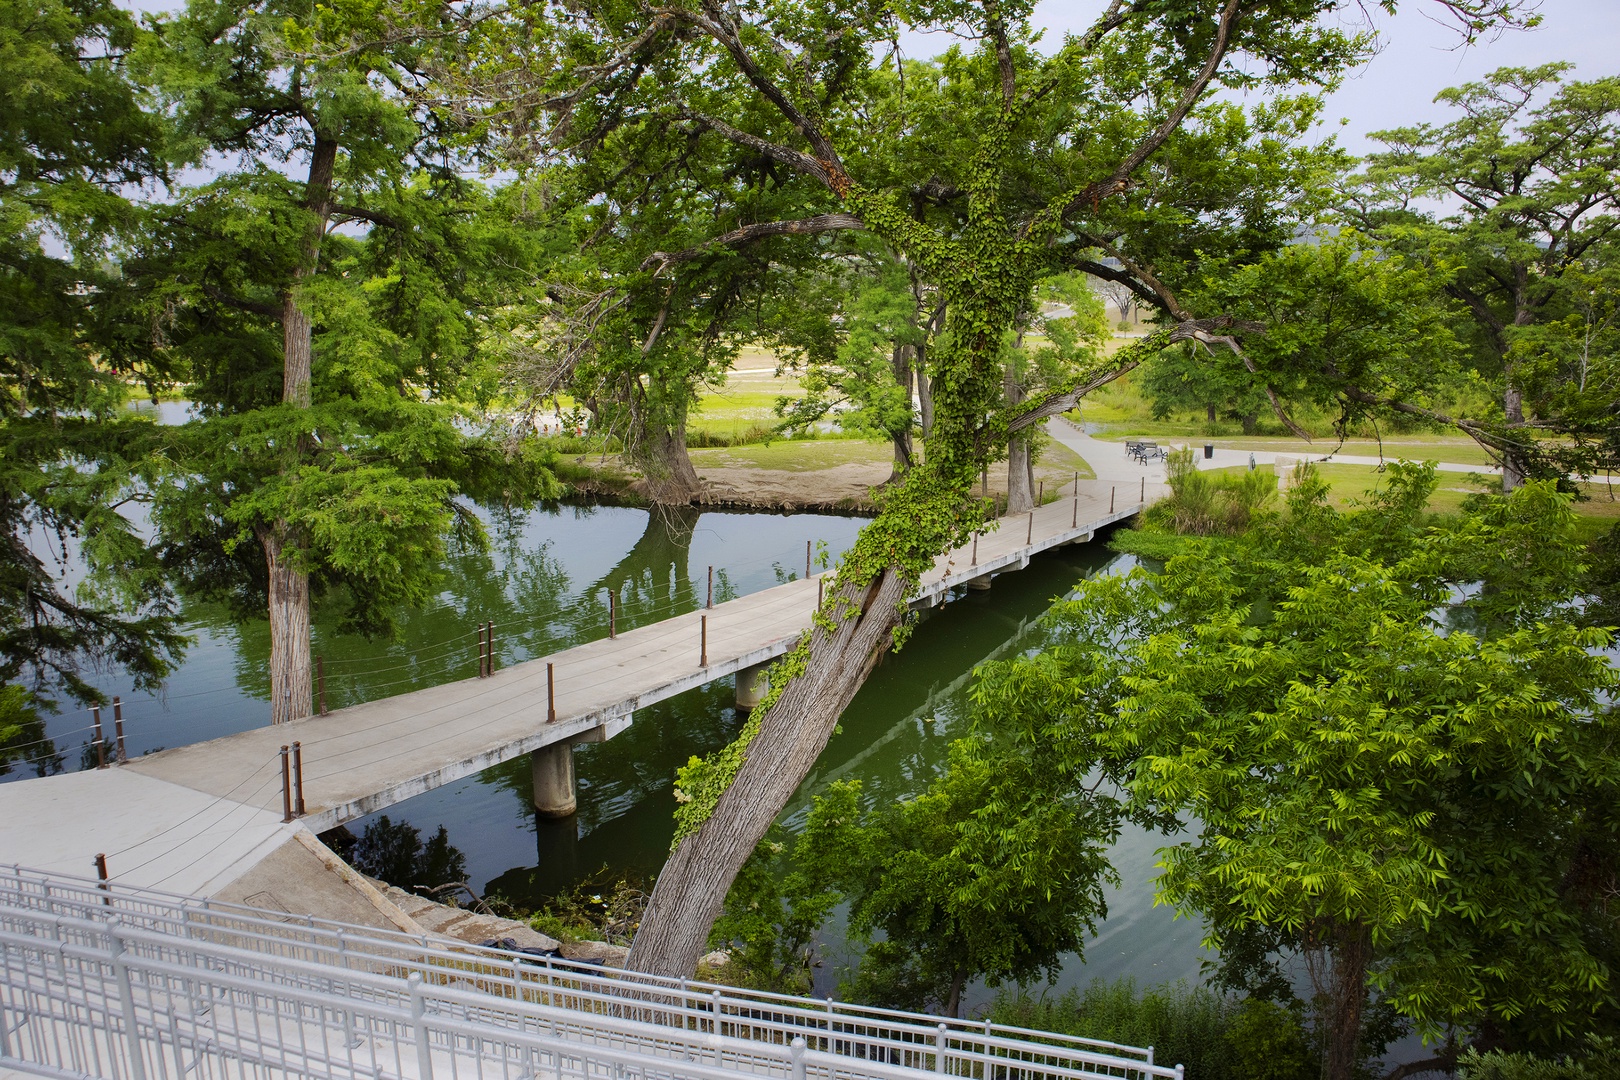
point(939, 1050)
point(551, 693)
point(716, 998)
point(298, 778)
point(796, 1058)
point(709, 603)
point(703, 654)
point(118, 729)
point(286, 786)
point(126, 998)
point(424, 1052)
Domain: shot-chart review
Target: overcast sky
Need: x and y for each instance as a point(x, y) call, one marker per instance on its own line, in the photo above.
point(1420, 57)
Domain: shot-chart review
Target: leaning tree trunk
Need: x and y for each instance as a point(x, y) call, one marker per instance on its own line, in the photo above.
point(671, 479)
point(694, 883)
point(290, 675)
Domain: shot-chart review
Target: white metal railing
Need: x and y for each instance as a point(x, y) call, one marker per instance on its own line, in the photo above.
point(132, 984)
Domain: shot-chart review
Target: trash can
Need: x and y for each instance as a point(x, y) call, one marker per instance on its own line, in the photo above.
point(1209, 450)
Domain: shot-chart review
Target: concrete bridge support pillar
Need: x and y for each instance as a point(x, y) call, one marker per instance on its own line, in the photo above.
point(751, 686)
point(980, 584)
point(553, 771)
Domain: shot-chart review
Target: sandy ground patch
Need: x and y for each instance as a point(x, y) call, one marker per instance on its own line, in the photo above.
point(847, 486)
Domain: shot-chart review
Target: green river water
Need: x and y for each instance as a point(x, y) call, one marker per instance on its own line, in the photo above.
point(543, 582)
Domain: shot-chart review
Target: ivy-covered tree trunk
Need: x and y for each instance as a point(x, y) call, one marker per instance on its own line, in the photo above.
point(729, 801)
point(290, 676)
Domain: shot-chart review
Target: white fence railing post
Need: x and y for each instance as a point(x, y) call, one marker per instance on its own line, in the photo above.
point(939, 1050)
point(796, 1058)
point(424, 1049)
point(126, 998)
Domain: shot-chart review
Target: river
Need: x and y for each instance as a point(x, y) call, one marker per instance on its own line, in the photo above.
point(543, 582)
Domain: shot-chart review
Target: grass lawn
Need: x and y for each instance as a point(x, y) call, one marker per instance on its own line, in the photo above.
point(1346, 483)
point(1057, 465)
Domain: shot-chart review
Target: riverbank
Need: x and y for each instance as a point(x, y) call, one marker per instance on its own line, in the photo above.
point(828, 476)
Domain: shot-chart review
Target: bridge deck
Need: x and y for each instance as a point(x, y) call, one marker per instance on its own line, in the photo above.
point(365, 758)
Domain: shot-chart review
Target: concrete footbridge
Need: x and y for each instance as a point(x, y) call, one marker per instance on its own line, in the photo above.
point(196, 818)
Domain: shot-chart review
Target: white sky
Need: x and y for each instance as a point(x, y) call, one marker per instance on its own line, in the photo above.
point(1420, 57)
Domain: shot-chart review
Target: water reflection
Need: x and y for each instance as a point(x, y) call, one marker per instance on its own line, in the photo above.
point(543, 582)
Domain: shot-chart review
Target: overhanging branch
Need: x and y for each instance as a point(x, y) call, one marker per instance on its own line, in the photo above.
point(659, 261)
point(1204, 331)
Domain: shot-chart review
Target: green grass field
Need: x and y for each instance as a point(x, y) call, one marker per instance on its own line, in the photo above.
point(1057, 465)
point(1349, 483)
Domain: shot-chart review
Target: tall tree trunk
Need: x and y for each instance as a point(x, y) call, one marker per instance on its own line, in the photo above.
point(900, 361)
point(953, 997)
point(290, 685)
point(1020, 486)
point(1020, 489)
point(290, 676)
point(925, 393)
point(1513, 463)
point(1209, 413)
point(1346, 1001)
point(694, 882)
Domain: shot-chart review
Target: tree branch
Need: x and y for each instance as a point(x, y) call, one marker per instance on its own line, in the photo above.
point(220, 296)
point(360, 213)
point(659, 261)
point(1115, 181)
point(1200, 330)
point(719, 26)
point(798, 159)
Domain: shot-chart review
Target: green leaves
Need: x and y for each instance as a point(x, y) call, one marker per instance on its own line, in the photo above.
point(1392, 730)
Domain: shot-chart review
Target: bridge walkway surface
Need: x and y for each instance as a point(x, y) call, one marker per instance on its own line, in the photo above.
point(194, 818)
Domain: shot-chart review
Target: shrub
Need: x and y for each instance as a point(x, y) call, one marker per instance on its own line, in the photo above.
point(1211, 504)
point(1600, 1058)
point(1214, 1036)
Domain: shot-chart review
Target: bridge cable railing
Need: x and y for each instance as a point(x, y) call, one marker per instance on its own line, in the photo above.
point(423, 659)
